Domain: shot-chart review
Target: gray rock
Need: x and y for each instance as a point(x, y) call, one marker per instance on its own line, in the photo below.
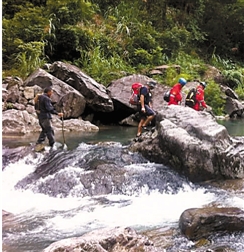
point(120, 91)
point(65, 97)
point(18, 122)
point(95, 94)
point(19, 106)
point(106, 240)
point(198, 223)
point(234, 108)
point(194, 144)
point(13, 94)
point(29, 93)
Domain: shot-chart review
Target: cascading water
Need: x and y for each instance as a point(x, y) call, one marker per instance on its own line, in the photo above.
point(68, 193)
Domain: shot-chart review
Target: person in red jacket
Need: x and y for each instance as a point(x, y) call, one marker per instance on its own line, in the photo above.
point(175, 92)
point(200, 103)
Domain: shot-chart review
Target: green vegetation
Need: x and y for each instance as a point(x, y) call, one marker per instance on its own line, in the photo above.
point(213, 98)
point(108, 39)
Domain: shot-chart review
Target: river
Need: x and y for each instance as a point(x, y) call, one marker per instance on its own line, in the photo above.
point(152, 198)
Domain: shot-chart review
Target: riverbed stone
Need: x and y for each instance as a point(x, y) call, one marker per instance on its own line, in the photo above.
point(198, 223)
point(119, 239)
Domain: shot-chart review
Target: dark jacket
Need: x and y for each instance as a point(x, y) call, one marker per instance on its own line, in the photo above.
point(147, 95)
point(44, 105)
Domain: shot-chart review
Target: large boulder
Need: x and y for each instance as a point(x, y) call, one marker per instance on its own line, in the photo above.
point(120, 91)
point(105, 240)
point(198, 223)
point(64, 96)
point(95, 94)
point(194, 144)
point(18, 122)
point(233, 106)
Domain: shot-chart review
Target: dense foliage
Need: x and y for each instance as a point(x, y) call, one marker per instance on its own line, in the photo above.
point(109, 39)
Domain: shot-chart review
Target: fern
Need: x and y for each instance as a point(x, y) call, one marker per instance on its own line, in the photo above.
point(233, 78)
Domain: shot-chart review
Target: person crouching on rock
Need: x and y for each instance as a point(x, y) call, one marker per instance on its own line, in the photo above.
point(44, 110)
point(175, 92)
point(146, 111)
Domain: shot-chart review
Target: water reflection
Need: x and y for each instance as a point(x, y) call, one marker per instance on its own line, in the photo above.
point(235, 127)
point(117, 133)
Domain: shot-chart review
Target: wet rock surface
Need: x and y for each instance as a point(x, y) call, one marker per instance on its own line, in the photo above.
point(106, 240)
point(194, 144)
point(200, 223)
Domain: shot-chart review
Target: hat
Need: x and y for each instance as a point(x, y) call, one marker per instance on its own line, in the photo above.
point(182, 81)
point(204, 84)
point(151, 84)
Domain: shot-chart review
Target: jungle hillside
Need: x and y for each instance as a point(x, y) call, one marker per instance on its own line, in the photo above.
point(108, 39)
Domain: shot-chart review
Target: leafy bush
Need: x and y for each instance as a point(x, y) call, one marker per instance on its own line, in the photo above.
point(103, 69)
point(233, 78)
point(213, 98)
point(29, 58)
point(175, 40)
point(190, 64)
point(240, 91)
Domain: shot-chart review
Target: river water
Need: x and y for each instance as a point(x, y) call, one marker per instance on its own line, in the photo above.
point(41, 218)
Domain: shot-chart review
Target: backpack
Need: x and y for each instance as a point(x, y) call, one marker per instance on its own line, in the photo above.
point(135, 92)
point(167, 95)
point(37, 104)
point(191, 98)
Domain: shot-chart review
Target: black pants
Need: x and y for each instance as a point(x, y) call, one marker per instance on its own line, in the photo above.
point(147, 113)
point(47, 131)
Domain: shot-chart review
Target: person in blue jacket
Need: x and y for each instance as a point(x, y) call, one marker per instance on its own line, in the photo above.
point(45, 110)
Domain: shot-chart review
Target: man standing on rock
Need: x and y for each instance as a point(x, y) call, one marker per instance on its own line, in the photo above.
point(44, 110)
point(147, 114)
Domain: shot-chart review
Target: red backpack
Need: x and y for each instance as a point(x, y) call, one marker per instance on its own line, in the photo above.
point(135, 92)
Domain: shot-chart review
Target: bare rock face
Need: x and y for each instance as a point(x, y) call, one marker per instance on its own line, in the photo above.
point(95, 94)
point(105, 240)
point(198, 223)
point(120, 91)
point(234, 107)
point(64, 96)
point(18, 122)
point(194, 144)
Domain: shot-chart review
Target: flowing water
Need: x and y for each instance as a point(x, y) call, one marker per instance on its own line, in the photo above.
point(152, 197)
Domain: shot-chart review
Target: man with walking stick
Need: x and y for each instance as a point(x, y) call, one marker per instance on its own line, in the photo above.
point(45, 109)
